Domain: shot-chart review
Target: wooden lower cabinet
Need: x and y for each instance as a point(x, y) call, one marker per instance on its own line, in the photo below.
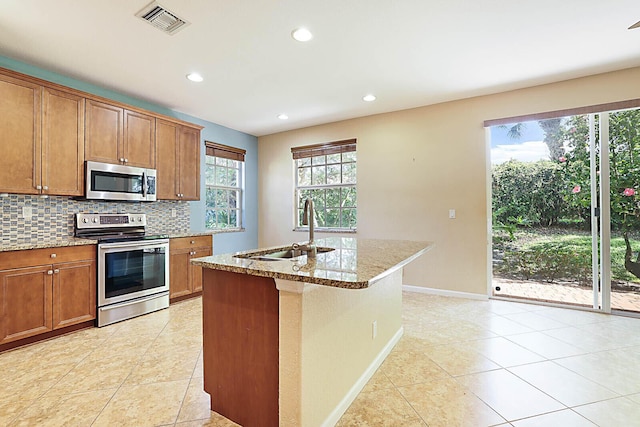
point(38, 297)
point(186, 279)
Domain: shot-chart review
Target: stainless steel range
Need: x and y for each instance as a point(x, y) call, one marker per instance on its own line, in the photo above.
point(133, 267)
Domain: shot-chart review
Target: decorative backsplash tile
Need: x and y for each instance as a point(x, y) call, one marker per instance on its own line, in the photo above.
point(53, 217)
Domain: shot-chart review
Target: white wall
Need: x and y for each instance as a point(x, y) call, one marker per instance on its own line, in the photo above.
point(415, 165)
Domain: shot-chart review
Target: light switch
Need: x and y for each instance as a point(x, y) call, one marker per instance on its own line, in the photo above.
point(27, 212)
point(452, 213)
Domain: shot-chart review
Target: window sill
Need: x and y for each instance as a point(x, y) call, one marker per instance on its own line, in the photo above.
point(328, 230)
point(225, 230)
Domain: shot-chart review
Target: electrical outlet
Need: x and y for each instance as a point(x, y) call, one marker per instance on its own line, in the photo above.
point(174, 213)
point(27, 212)
point(374, 329)
point(452, 214)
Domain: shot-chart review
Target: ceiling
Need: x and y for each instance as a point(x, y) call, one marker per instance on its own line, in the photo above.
point(408, 53)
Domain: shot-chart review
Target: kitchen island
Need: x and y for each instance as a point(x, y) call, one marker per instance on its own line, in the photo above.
point(292, 341)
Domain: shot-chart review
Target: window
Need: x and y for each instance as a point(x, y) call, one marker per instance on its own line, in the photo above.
point(327, 174)
point(224, 182)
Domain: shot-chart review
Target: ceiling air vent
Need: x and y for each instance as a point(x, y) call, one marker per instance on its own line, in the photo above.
point(161, 18)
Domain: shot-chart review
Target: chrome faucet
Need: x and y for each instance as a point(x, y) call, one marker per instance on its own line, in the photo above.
point(308, 218)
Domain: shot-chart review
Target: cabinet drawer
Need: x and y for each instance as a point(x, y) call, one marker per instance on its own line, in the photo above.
point(190, 242)
point(32, 257)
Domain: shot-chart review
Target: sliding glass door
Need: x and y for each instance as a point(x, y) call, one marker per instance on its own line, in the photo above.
point(624, 172)
point(545, 225)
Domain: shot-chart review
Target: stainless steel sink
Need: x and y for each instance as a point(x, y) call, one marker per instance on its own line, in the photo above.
point(280, 255)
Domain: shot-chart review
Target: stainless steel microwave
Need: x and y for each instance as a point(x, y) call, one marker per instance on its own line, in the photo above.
point(105, 181)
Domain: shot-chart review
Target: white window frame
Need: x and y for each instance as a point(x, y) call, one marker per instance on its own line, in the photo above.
point(213, 161)
point(323, 150)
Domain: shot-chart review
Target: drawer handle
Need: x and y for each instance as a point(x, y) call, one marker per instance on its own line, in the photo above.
point(54, 255)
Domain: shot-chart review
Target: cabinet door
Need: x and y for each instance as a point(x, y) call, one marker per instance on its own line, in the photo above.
point(25, 302)
point(62, 143)
point(179, 265)
point(20, 119)
point(74, 293)
point(104, 132)
point(189, 164)
point(196, 272)
point(139, 140)
point(166, 160)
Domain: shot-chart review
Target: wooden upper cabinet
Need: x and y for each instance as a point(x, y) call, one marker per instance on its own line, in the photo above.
point(167, 160)
point(20, 128)
point(119, 136)
point(104, 132)
point(189, 163)
point(41, 129)
point(62, 143)
point(139, 140)
point(177, 161)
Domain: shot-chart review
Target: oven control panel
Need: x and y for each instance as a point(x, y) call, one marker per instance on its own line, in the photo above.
point(88, 221)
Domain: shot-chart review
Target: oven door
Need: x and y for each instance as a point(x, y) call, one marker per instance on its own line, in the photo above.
point(129, 270)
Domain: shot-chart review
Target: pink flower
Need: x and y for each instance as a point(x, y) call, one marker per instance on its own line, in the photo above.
point(562, 159)
point(576, 189)
point(629, 192)
point(572, 130)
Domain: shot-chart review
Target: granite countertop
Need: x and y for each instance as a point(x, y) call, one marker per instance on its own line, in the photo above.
point(56, 242)
point(354, 264)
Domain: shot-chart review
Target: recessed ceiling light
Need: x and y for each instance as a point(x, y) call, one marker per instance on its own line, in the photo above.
point(283, 116)
point(195, 77)
point(369, 98)
point(301, 34)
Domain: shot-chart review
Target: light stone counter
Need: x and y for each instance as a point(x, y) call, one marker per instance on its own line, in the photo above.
point(57, 242)
point(354, 264)
point(45, 243)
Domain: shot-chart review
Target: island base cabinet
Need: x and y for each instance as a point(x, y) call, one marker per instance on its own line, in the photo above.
point(38, 298)
point(240, 350)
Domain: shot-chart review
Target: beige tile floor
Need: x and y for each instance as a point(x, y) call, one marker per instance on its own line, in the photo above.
point(460, 363)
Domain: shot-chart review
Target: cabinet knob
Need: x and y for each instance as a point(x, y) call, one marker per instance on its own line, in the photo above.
point(46, 187)
point(50, 272)
point(193, 241)
point(38, 187)
point(56, 271)
point(126, 160)
point(54, 255)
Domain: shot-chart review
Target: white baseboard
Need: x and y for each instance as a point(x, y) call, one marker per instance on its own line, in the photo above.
point(348, 399)
point(443, 292)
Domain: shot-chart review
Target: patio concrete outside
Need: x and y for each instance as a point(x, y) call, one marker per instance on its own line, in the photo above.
point(559, 293)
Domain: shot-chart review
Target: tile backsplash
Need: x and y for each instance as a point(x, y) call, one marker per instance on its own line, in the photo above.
point(53, 217)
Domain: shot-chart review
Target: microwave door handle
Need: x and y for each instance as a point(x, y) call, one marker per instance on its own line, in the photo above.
point(144, 184)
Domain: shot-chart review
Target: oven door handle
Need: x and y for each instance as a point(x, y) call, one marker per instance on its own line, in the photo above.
point(135, 245)
point(124, 304)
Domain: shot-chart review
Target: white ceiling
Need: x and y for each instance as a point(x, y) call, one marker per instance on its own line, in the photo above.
point(407, 52)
